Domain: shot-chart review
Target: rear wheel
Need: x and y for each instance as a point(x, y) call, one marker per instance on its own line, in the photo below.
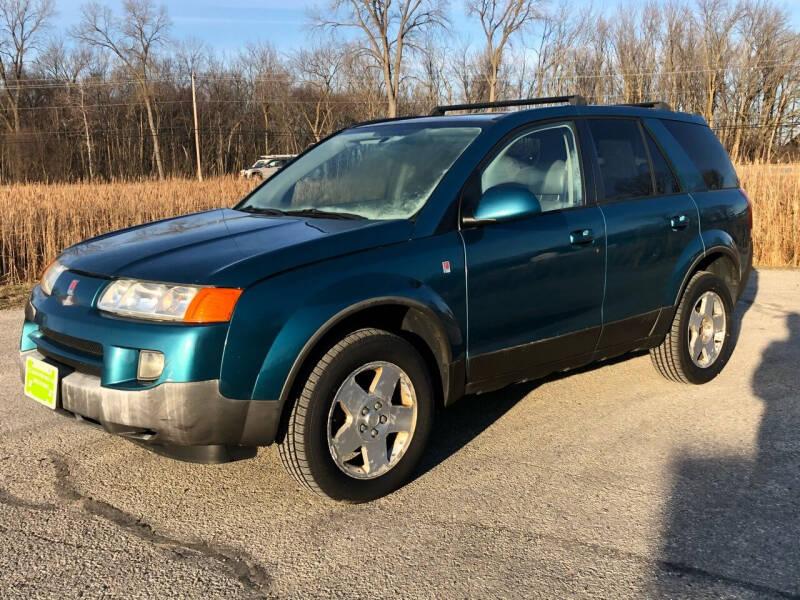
point(362, 419)
point(699, 343)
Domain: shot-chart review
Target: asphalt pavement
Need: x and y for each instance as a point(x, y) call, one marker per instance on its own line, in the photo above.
point(609, 482)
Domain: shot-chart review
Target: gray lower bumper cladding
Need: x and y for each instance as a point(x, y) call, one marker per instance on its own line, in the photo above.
point(170, 417)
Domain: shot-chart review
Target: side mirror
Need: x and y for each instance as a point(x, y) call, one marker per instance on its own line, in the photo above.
point(503, 202)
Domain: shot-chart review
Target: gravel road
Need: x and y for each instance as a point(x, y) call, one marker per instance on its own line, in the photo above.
point(609, 482)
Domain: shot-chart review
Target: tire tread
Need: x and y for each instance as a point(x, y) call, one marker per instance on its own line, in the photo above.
point(292, 449)
point(666, 356)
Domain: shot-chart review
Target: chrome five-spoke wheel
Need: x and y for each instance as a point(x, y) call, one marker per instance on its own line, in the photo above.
point(359, 426)
point(707, 329)
point(698, 344)
point(372, 420)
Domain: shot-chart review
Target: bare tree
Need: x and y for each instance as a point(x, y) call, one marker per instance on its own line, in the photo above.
point(387, 31)
point(434, 86)
point(361, 82)
point(270, 79)
point(467, 69)
point(635, 55)
point(318, 69)
point(133, 40)
point(564, 33)
point(70, 67)
point(716, 19)
point(21, 26)
point(81, 110)
point(680, 46)
point(501, 20)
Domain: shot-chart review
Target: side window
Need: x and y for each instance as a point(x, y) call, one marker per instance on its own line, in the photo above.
point(666, 183)
point(622, 159)
point(544, 160)
point(705, 151)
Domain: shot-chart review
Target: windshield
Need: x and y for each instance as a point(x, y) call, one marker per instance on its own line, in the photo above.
point(373, 172)
point(258, 164)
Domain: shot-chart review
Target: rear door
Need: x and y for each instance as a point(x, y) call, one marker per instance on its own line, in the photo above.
point(650, 221)
point(535, 285)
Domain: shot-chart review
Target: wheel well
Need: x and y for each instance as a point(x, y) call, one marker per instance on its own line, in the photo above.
point(721, 265)
point(410, 323)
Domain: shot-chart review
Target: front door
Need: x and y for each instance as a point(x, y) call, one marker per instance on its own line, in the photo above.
point(535, 285)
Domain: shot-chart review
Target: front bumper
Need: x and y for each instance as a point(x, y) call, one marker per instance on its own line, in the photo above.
point(169, 414)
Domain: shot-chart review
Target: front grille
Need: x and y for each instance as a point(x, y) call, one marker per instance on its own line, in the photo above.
point(78, 365)
point(73, 344)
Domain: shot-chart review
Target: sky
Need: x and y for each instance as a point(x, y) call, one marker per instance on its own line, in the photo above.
point(227, 25)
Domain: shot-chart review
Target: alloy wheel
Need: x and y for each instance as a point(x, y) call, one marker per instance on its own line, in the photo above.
point(707, 329)
point(372, 420)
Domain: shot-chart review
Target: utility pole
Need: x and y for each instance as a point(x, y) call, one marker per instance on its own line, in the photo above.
point(86, 132)
point(196, 131)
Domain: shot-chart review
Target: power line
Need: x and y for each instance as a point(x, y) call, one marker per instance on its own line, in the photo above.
point(56, 84)
point(607, 99)
point(188, 101)
point(144, 134)
point(166, 132)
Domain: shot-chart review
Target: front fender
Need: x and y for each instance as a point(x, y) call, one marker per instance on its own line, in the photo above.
point(278, 320)
point(309, 323)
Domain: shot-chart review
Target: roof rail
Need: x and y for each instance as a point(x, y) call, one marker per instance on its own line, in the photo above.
point(384, 120)
point(657, 104)
point(575, 100)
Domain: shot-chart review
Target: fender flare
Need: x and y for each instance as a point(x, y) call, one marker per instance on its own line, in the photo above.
point(451, 371)
point(716, 249)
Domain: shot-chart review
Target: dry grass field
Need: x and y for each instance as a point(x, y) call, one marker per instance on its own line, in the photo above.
point(38, 220)
point(775, 193)
point(41, 220)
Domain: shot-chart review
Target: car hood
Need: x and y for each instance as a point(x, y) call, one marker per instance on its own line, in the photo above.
point(226, 247)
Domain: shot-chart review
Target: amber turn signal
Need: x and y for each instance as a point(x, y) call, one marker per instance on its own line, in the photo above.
point(212, 305)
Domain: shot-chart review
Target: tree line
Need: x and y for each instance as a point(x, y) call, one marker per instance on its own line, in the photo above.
point(110, 98)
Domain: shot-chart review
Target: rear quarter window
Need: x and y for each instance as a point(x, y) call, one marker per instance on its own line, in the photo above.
point(707, 154)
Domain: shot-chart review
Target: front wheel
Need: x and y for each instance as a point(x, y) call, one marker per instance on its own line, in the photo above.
point(360, 425)
point(699, 343)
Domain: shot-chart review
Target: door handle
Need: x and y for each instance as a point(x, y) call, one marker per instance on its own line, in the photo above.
point(581, 236)
point(679, 222)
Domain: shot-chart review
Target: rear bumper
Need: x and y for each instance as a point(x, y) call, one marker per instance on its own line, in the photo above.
point(169, 414)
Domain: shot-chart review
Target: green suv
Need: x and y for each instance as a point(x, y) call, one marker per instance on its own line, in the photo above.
point(391, 269)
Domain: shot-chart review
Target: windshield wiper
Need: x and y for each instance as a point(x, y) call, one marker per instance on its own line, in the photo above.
point(256, 210)
point(301, 212)
point(323, 214)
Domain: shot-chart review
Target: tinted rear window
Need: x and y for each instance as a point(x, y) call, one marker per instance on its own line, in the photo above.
point(705, 151)
point(622, 158)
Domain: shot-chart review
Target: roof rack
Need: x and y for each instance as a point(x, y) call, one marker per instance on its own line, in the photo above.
point(657, 104)
point(575, 100)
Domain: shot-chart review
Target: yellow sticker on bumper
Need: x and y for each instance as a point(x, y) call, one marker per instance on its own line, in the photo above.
point(41, 382)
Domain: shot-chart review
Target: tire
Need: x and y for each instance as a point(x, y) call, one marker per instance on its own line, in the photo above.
point(335, 407)
point(673, 358)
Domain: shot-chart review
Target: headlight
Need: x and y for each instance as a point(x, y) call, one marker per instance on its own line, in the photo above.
point(166, 302)
point(51, 273)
